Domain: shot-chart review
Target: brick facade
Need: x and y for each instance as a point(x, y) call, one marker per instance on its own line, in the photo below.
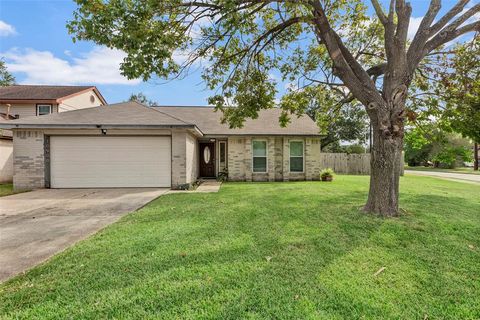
point(28, 160)
point(278, 159)
point(179, 158)
point(31, 167)
point(236, 159)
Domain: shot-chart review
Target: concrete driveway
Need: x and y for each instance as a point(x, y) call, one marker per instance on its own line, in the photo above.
point(464, 177)
point(36, 225)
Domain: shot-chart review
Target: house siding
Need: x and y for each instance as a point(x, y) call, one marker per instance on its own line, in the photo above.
point(80, 101)
point(25, 110)
point(6, 160)
point(278, 159)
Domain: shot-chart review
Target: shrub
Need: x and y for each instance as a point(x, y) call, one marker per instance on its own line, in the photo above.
point(326, 173)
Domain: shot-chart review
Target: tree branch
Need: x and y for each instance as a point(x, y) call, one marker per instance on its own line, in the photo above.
point(345, 66)
point(447, 36)
point(379, 11)
point(448, 16)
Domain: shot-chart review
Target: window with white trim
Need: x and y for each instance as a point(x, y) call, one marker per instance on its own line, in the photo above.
point(259, 151)
point(296, 156)
point(43, 109)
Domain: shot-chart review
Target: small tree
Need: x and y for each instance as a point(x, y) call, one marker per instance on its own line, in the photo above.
point(428, 143)
point(142, 98)
point(460, 89)
point(315, 41)
point(450, 94)
point(6, 78)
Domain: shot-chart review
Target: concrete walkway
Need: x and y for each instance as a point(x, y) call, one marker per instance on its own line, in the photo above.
point(206, 186)
point(463, 177)
point(209, 186)
point(36, 225)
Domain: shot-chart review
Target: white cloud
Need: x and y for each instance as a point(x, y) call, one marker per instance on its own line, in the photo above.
point(98, 66)
point(415, 23)
point(413, 26)
point(6, 29)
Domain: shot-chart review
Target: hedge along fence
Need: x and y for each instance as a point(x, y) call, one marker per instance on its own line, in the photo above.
point(349, 163)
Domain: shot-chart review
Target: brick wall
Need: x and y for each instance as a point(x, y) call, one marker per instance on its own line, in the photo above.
point(312, 159)
point(278, 159)
point(236, 159)
point(28, 160)
point(179, 158)
point(191, 158)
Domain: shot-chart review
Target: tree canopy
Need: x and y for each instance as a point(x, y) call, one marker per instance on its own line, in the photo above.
point(6, 78)
point(143, 99)
point(319, 46)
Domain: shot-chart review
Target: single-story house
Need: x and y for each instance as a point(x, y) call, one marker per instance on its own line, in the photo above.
point(131, 145)
point(21, 101)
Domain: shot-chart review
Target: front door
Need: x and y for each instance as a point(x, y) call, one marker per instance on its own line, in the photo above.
point(207, 159)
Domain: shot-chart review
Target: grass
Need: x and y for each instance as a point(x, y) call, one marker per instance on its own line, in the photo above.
point(456, 170)
point(6, 189)
point(298, 250)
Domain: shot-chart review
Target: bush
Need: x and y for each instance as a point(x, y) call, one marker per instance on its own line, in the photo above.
point(326, 173)
point(223, 175)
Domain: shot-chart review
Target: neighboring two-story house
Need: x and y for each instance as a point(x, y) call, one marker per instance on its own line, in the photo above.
point(21, 101)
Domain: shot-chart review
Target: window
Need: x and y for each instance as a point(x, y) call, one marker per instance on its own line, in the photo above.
point(44, 109)
point(259, 155)
point(296, 156)
point(206, 155)
point(223, 156)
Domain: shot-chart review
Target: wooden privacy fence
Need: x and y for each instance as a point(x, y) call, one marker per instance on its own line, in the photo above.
point(349, 163)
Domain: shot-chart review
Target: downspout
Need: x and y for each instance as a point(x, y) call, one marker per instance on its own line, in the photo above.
point(8, 110)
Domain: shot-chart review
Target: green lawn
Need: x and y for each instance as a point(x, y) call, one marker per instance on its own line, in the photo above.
point(456, 170)
point(6, 189)
point(299, 250)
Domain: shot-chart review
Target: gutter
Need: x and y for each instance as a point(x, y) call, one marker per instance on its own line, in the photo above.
point(263, 135)
point(96, 126)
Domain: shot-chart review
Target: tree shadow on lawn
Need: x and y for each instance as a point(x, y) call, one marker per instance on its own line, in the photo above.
point(248, 257)
point(258, 266)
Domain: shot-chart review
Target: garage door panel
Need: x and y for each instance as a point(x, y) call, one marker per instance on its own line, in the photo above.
point(85, 162)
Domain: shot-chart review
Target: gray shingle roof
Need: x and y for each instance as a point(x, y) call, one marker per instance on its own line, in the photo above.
point(120, 114)
point(134, 114)
point(267, 123)
point(40, 92)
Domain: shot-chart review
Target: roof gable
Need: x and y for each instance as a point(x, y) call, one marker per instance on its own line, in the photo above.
point(43, 92)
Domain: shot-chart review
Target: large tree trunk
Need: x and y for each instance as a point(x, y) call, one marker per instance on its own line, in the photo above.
point(385, 175)
point(475, 157)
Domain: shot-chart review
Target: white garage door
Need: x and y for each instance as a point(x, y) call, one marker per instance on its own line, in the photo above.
point(109, 162)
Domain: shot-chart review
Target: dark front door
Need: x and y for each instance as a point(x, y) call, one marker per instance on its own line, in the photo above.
point(207, 159)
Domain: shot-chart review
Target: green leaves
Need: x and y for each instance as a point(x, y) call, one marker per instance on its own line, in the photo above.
point(137, 28)
point(6, 78)
point(447, 88)
point(241, 45)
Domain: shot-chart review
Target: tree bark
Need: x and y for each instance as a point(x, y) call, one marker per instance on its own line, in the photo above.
point(475, 157)
point(385, 164)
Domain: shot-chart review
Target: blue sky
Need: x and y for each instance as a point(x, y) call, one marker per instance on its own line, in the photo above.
point(38, 49)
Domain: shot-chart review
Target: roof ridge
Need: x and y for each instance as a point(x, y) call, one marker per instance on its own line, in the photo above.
point(210, 107)
point(49, 85)
point(173, 117)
